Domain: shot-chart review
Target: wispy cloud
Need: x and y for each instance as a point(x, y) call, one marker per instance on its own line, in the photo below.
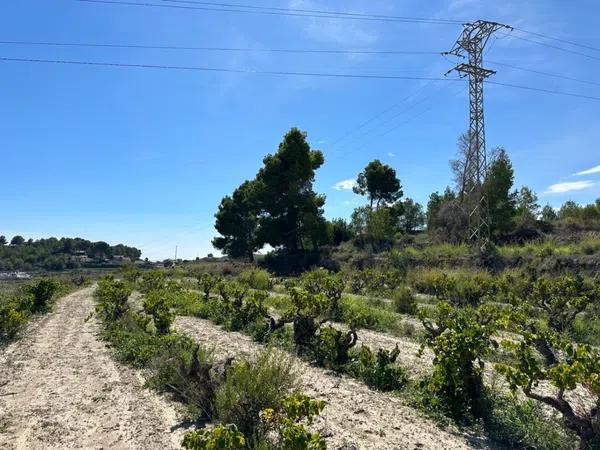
point(391, 155)
point(591, 171)
point(343, 32)
point(344, 185)
point(568, 186)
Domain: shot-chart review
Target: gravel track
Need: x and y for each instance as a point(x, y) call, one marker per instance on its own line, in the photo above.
point(60, 388)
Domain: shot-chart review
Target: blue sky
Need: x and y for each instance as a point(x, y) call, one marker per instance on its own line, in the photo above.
point(143, 157)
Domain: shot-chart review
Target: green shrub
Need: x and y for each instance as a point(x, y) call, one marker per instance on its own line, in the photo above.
point(404, 301)
point(523, 424)
point(249, 311)
point(250, 387)
point(157, 304)
point(459, 340)
point(11, 320)
point(357, 313)
point(333, 346)
point(152, 280)
point(306, 314)
point(256, 279)
point(586, 329)
point(287, 425)
point(130, 340)
point(42, 293)
point(574, 366)
point(331, 285)
point(130, 272)
point(222, 437)
point(189, 372)
point(112, 298)
point(207, 282)
point(379, 370)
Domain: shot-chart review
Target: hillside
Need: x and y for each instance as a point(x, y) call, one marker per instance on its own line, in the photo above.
point(60, 254)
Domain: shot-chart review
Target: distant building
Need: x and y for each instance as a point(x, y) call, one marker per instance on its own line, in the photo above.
point(80, 257)
point(14, 276)
point(121, 258)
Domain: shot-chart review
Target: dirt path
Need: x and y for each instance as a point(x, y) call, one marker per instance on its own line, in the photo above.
point(60, 388)
point(355, 416)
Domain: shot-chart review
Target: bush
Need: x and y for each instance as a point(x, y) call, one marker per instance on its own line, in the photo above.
point(518, 424)
point(462, 288)
point(11, 320)
point(379, 370)
point(459, 340)
point(256, 279)
point(287, 423)
point(333, 346)
point(112, 298)
point(404, 301)
point(130, 340)
point(157, 304)
point(281, 428)
point(189, 372)
point(358, 314)
point(207, 282)
point(42, 293)
point(249, 311)
point(130, 272)
point(222, 437)
point(251, 387)
point(152, 280)
point(305, 310)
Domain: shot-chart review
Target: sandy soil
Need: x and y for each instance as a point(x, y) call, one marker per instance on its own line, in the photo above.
point(355, 416)
point(60, 388)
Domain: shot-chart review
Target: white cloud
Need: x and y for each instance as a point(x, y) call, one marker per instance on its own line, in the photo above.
point(391, 155)
point(568, 186)
point(591, 171)
point(344, 185)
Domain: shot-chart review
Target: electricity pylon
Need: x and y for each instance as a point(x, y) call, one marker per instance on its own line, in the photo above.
point(472, 42)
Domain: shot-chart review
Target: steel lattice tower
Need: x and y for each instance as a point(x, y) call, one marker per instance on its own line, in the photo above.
point(472, 42)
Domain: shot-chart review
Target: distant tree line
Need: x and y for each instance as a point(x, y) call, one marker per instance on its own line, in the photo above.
point(279, 207)
point(56, 254)
point(515, 214)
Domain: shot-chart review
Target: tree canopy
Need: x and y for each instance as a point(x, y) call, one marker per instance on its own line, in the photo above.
point(237, 222)
point(501, 199)
point(379, 182)
point(291, 212)
point(17, 240)
point(279, 207)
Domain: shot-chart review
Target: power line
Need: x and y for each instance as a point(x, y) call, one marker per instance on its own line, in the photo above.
point(404, 122)
point(564, 41)
point(556, 47)
point(220, 69)
point(271, 13)
point(373, 118)
point(395, 127)
point(400, 113)
point(220, 49)
point(313, 11)
point(274, 72)
point(548, 91)
point(539, 72)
